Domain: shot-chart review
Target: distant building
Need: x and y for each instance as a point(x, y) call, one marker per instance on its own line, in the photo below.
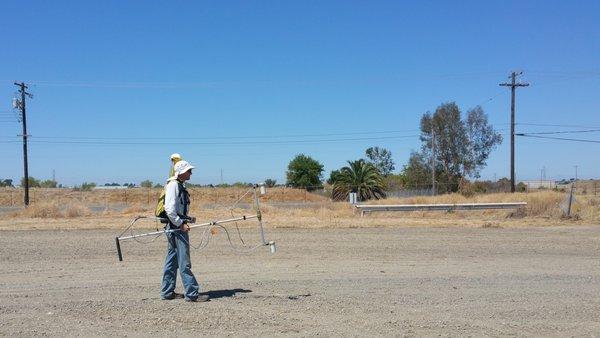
point(540, 184)
point(109, 187)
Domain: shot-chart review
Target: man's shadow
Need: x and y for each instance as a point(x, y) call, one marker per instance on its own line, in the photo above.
point(224, 293)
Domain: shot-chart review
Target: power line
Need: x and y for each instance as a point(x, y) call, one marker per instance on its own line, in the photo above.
point(490, 98)
point(208, 84)
point(98, 139)
point(225, 143)
point(562, 132)
point(560, 138)
point(124, 85)
point(556, 125)
point(565, 73)
point(227, 137)
point(176, 140)
point(563, 76)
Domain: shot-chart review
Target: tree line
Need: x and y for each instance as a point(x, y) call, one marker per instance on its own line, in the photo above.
point(462, 146)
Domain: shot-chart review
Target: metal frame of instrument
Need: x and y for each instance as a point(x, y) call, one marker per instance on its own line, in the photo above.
point(206, 225)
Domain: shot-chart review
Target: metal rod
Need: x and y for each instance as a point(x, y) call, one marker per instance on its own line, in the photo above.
point(242, 218)
point(119, 249)
point(259, 216)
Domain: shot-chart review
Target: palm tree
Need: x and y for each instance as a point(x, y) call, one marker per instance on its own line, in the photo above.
point(360, 177)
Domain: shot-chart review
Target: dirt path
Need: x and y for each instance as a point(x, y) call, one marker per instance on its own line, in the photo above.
point(380, 281)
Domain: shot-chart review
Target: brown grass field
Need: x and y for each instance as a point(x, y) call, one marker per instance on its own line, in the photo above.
point(284, 208)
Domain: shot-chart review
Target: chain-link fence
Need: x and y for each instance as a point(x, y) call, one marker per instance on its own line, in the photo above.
point(149, 196)
point(119, 198)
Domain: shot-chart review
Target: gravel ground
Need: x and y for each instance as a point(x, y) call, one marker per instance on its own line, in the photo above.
point(541, 281)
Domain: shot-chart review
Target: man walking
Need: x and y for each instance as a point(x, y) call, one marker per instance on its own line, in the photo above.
point(177, 202)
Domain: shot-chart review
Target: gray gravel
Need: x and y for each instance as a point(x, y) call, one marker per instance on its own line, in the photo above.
point(333, 282)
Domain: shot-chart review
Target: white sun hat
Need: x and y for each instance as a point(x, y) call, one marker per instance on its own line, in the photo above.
point(181, 167)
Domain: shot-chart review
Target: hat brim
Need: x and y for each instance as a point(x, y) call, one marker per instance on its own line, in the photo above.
point(186, 169)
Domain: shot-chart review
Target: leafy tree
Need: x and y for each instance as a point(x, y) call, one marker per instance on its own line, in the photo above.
point(146, 184)
point(33, 183)
point(270, 183)
point(85, 186)
point(242, 184)
point(462, 146)
point(394, 182)
point(360, 177)
point(6, 182)
point(48, 184)
point(304, 172)
point(333, 176)
point(381, 158)
point(158, 185)
point(482, 140)
point(503, 184)
point(417, 172)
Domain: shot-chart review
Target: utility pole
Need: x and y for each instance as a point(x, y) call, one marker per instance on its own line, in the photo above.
point(513, 85)
point(573, 187)
point(21, 104)
point(432, 162)
point(544, 171)
point(542, 177)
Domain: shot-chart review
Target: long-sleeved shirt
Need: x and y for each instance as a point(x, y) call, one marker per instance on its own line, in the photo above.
point(176, 202)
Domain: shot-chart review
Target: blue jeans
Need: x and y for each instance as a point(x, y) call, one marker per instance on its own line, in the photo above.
point(178, 256)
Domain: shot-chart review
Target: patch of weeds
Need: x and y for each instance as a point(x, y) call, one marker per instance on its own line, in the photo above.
point(489, 225)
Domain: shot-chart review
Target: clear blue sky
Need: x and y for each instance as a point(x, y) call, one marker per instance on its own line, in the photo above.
point(210, 72)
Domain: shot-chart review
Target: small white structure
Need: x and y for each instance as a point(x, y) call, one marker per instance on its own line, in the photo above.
point(110, 187)
point(540, 184)
point(366, 208)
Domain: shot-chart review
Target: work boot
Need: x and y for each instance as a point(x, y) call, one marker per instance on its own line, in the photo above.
point(174, 295)
point(201, 298)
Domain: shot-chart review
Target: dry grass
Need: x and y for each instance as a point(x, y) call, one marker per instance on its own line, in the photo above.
point(52, 210)
point(543, 209)
point(41, 210)
point(13, 196)
point(539, 204)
